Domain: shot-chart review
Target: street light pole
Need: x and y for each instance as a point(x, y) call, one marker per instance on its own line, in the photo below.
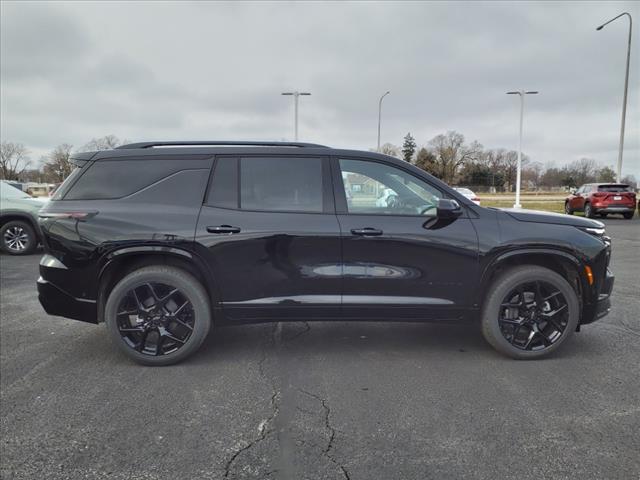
point(522, 93)
point(626, 87)
point(380, 117)
point(295, 94)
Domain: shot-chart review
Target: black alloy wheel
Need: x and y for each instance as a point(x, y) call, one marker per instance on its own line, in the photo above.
point(158, 315)
point(529, 312)
point(155, 319)
point(533, 316)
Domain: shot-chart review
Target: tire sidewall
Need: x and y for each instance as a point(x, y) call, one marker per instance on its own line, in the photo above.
point(32, 242)
point(499, 290)
point(567, 209)
point(588, 211)
point(188, 286)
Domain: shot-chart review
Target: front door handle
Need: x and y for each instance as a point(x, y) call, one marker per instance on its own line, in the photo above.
point(223, 229)
point(366, 232)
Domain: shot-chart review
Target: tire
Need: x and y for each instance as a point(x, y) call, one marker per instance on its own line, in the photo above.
point(147, 296)
point(604, 215)
point(628, 215)
point(503, 336)
point(567, 209)
point(588, 210)
point(18, 238)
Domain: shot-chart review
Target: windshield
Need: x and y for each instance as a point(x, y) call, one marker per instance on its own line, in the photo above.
point(9, 191)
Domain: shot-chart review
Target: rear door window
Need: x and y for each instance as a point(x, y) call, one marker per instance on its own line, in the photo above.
point(286, 184)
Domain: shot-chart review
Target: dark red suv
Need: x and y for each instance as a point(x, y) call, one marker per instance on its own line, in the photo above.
point(602, 199)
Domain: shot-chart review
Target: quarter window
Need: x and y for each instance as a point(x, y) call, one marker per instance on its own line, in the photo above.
point(376, 188)
point(109, 179)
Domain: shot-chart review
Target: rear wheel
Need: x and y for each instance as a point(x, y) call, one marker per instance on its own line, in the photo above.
point(158, 315)
point(567, 208)
point(529, 312)
point(628, 215)
point(588, 210)
point(18, 238)
point(604, 215)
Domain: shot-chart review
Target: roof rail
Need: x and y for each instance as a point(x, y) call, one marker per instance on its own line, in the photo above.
point(215, 143)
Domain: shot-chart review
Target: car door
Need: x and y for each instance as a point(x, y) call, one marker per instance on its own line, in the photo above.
point(399, 260)
point(271, 237)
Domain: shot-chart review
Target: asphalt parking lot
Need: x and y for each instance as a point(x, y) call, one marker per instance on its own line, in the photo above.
point(320, 400)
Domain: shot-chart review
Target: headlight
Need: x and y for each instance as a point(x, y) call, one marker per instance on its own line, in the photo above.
point(594, 231)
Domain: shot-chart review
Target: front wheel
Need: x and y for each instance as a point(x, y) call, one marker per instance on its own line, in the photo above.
point(567, 209)
point(158, 315)
point(529, 312)
point(628, 215)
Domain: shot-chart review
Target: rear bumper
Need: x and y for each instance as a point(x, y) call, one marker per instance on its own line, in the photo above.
point(614, 209)
point(602, 306)
point(57, 302)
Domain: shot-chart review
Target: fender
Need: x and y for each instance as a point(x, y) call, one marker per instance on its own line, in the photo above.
point(502, 257)
point(182, 254)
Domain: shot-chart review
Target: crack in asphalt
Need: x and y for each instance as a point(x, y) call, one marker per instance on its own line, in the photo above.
point(331, 430)
point(263, 427)
point(300, 333)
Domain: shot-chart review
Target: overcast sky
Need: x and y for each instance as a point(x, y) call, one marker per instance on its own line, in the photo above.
point(152, 70)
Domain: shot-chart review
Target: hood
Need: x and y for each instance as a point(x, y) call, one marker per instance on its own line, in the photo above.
point(535, 216)
point(25, 204)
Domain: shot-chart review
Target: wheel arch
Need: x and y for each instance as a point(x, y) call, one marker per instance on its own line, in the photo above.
point(10, 216)
point(563, 263)
point(119, 263)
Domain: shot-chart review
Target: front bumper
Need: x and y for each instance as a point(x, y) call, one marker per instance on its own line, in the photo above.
point(58, 302)
point(602, 306)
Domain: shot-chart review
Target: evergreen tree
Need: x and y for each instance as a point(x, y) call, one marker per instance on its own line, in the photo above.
point(408, 148)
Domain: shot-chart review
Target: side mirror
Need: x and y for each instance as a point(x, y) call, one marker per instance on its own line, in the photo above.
point(448, 209)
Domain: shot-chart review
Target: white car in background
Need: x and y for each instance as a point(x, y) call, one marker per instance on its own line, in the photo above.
point(468, 193)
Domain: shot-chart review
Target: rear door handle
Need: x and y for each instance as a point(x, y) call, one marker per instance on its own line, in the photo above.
point(366, 232)
point(223, 229)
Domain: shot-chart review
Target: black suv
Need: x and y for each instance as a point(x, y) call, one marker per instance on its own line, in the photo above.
point(161, 240)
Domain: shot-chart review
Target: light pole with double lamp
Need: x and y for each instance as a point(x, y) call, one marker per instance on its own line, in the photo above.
point(626, 87)
point(296, 94)
point(522, 93)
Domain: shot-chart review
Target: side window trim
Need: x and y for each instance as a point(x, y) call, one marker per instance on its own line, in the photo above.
point(339, 188)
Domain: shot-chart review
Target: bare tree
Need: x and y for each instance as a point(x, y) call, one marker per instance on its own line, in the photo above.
point(108, 142)
point(606, 174)
point(390, 149)
point(426, 160)
point(451, 153)
point(14, 160)
point(582, 171)
point(58, 164)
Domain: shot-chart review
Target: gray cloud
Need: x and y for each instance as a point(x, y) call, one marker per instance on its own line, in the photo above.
point(72, 71)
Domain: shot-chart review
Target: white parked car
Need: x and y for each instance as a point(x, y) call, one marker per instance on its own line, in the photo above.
point(469, 194)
